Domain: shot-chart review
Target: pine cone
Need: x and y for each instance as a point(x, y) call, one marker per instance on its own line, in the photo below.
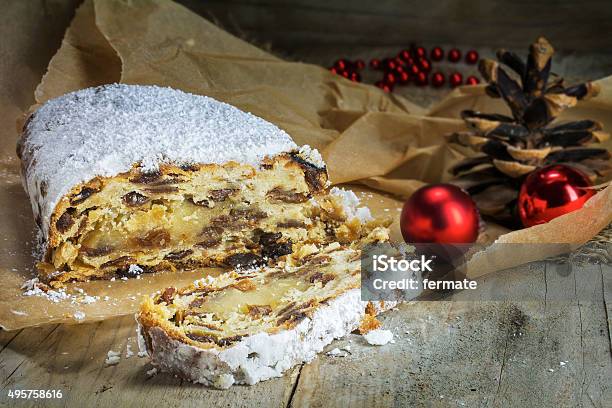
point(512, 147)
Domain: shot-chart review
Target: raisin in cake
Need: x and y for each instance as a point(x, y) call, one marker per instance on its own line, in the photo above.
point(246, 326)
point(127, 179)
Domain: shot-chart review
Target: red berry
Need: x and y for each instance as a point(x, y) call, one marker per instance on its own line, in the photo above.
point(414, 70)
point(421, 79)
point(389, 78)
point(403, 78)
point(405, 55)
point(437, 53)
point(333, 70)
point(471, 57)
point(472, 80)
point(455, 79)
point(437, 79)
point(384, 86)
point(400, 68)
point(454, 55)
point(399, 61)
point(420, 52)
point(424, 65)
point(342, 64)
point(360, 64)
point(389, 64)
point(345, 74)
point(375, 63)
point(355, 77)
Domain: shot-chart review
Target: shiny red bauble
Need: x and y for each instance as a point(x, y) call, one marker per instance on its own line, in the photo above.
point(472, 80)
point(471, 57)
point(440, 213)
point(437, 79)
point(455, 79)
point(414, 70)
point(360, 64)
point(552, 191)
point(454, 55)
point(375, 63)
point(437, 54)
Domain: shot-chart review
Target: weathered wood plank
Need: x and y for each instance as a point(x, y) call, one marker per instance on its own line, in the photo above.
point(518, 352)
point(291, 24)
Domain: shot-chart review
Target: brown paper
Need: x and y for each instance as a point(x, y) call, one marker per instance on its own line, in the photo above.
point(381, 141)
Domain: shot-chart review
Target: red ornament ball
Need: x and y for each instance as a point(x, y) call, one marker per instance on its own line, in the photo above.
point(472, 80)
point(437, 79)
point(454, 55)
point(414, 70)
point(440, 213)
point(355, 77)
point(455, 79)
point(384, 86)
point(359, 64)
point(421, 79)
point(471, 57)
point(420, 52)
point(424, 65)
point(346, 74)
point(375, 63)
point(552, 191)
point(437, 54)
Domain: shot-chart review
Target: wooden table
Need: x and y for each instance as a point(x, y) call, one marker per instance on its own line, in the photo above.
point(552, 352)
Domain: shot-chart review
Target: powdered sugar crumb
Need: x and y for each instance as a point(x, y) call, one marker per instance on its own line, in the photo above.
point(351, 202)
point(104, 131)
point(378, 337)
point(128, 350)
point(112, 358)
point(18, 312)
point(34, 287)
point(78, 315)
point(336, 352)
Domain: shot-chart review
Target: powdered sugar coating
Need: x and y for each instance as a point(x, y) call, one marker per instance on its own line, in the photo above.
point(104, 131)
point(261, 356)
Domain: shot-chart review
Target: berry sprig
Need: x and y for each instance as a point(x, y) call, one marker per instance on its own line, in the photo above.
point(412, 65)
